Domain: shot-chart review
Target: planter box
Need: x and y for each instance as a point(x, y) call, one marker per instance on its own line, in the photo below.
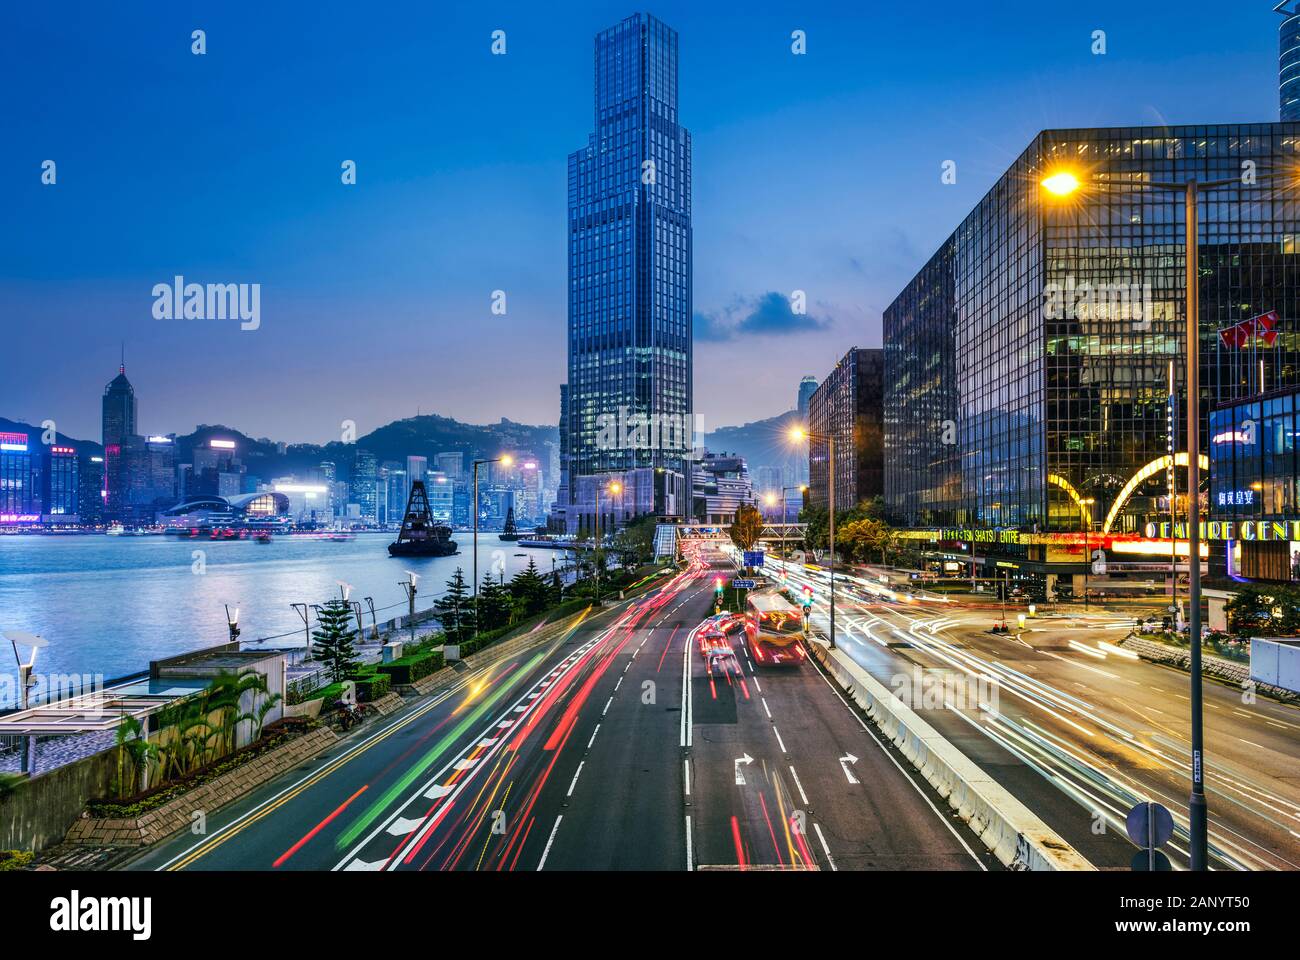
point(175, 815)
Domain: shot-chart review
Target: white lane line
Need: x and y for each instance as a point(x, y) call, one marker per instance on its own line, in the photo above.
point(686, 776)
point(778, 739)
point(690, 855)
point(574, 782)
point(593, 736)
point(757, 685)
point(607, 703)
point(765, 709)
point(547, 852)
point(825, 848)
point(799, 785)
point(619, 684)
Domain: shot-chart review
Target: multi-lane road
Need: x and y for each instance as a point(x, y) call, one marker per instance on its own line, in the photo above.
point(1079, 728)
point(609, 745)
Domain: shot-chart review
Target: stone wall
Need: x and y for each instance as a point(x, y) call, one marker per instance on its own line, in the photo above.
point(37, 815)
point(175, 814)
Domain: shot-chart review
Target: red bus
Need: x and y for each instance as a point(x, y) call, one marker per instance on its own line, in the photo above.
point(774, 629)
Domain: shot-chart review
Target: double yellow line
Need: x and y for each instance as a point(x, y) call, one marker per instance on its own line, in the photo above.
point(234, 829)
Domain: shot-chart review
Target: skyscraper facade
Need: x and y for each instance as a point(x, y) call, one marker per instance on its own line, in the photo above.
point(807, 387)
point(629, 266)
point(118, 423)
point(848, 406)
point(1028, 364)
point(1289, 61)
point(365, 485)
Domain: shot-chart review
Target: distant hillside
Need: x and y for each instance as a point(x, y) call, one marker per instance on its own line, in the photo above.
point(763, 443)
point(34, 436)
point(423, 436)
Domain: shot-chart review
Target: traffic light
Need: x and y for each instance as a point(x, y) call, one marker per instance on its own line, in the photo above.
point(719, 585)
point(807, 599)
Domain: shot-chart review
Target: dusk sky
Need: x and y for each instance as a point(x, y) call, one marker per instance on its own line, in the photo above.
point(818, 173)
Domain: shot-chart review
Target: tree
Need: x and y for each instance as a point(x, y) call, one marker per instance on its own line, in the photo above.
point(133, 747)
point(636, 541)
point(9, 783)
point(494, 604)
point(333, 638)
point(530, 589)
point(747, 527)
point(456, 609)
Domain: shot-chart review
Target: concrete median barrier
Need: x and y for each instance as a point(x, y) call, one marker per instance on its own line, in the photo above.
point(1012, 832)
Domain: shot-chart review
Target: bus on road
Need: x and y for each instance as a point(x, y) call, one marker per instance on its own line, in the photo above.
point(774, 629)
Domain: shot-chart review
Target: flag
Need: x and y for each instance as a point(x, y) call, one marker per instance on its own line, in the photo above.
point(1239, 335)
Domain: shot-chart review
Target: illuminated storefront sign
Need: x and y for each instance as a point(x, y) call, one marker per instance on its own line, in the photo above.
point(1249, 531)
point(1235, 498)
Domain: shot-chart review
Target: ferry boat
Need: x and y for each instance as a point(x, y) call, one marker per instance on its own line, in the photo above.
point(421, 535)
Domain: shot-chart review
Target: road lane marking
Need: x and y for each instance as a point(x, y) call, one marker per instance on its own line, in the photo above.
point(825, 848)
point(779, 740)
point(690, 854)
point(765, 709)
point(576, 774)
point(547, 852)
point(845, 764)
point(799, 784)
point(593, 736)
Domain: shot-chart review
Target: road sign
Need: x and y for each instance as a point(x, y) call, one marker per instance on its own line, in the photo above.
point(754, 558)
point(743, 584)
point(1150, 825)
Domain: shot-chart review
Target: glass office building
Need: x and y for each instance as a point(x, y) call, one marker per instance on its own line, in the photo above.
point(847, 407)
point(1253, 521)
point(1028, 364)
point(629, 261)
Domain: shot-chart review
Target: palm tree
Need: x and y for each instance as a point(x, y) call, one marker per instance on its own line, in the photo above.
point(133, 745)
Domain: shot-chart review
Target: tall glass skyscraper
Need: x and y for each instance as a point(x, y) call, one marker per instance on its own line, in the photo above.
point(118, 424)
point(630, 349)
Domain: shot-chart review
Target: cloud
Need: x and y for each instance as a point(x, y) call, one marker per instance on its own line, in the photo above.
point(768, 315)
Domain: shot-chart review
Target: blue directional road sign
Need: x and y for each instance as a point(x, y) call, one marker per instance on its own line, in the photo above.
point(754, 558)
point(743, 584)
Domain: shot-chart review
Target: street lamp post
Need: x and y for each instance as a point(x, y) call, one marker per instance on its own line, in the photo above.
point(800, 434)
point(615, 488)
point(1064, 184)
point(1085, 507)
point(410, 587)
point(507, 461)
point(232, 623)
point(27, 762)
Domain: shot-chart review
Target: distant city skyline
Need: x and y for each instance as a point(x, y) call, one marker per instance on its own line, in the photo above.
point(819, 173)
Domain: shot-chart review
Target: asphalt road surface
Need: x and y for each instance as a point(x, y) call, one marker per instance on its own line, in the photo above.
point(607, 747)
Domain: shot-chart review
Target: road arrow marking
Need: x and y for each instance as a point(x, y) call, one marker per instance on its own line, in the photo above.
point(844, 765)
point(740, 777)
point(358, 865)
point(437, 791)
point(402, 827)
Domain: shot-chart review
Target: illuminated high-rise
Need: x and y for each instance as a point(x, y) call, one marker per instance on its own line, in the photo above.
point(630, 243)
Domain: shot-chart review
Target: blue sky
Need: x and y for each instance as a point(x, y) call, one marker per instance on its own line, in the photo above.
point(818, 173)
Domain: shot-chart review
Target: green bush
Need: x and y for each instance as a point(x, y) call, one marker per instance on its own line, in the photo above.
point(15, 859)
point(408, 669)
point(372, 687)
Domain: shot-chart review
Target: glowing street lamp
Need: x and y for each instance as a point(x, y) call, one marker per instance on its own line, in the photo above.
point(1063, 184)
point(614, 489)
